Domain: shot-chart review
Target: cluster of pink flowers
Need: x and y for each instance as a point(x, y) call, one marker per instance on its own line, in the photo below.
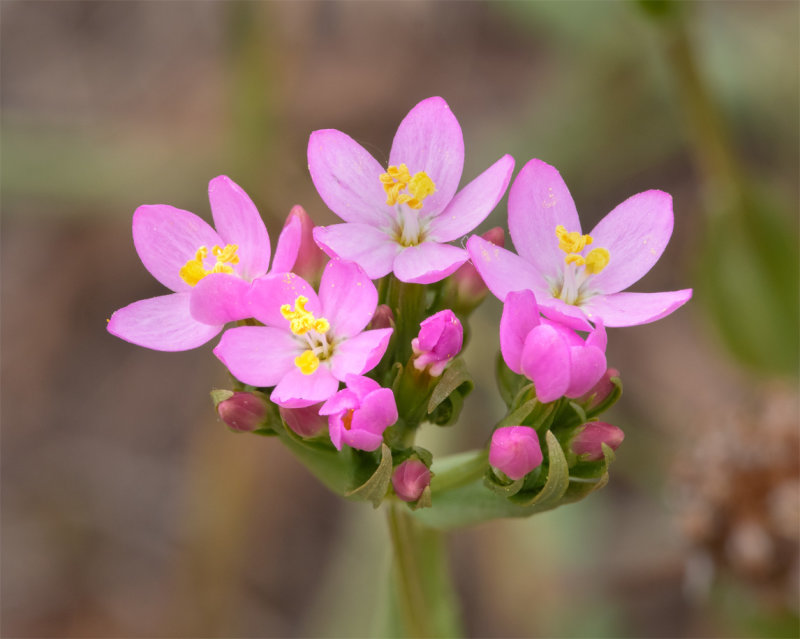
point(318, 353)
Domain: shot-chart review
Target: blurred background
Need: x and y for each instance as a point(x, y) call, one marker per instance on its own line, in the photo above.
point(128, 509)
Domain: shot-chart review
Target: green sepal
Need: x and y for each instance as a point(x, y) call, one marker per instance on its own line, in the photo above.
point(375, 487)
point(425, 500)
point(508, 382)
point(264, 432)
point(608, 402)
point(557, 479)
point(518, 416)
point(219, 395)
point(455, 378)
point(501, 487)
point(446, 413)
point(423, 454)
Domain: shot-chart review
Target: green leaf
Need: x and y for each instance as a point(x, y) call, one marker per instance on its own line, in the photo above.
point(455, 378)
point(374, 489)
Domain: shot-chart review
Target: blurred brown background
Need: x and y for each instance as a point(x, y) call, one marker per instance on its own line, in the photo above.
point(128, 510)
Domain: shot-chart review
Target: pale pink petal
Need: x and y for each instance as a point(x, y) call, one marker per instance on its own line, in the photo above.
point(362, 439)
point(370, 248)
point(598, 336)
point(538, 201)
point(473, 203)
point(587, 367)
point(348, 297)
point(269, 293)
point(567, 314)
point(429, 139)
point(630, 309)
point(504, 271)
point(428, 262)
point(635, 233)
point(347, 178)
point(361, 386)
point(238, 222)
point(288, 245)
point(546, 362)
point(220, 298)
point(342, 401)
point(296, 390)
point(520, 316)
point(359, 354)
point(166, 238)
point(378, 411)
point(258, 355)
point(162, 323)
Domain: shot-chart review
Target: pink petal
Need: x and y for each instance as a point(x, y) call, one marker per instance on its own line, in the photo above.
point(288, 245)
point(347, 178)
point(598, 337)
point(219, 298)
point(162, 323)
point(348, 297)
point(428, 262)
point(269, 293)
point(238, 222)
point(538, 201)
point(370, 248)
point(520, 316)
point(567, 314)
point(429, 139)
point(342, 401)
point(630, 309)
point(504, 271)
point(166, 238)
point(546, 362)
point(359, 354)
point(473, 203)
point(258, 355)
point(361, 386)
point(296, 390)
point(378, 411)
point(587, 366)
point(635, 233)
point(361, 439)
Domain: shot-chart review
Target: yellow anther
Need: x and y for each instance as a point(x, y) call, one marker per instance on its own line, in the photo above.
point(574, 258)
point(571, 241)
point(301, 321)
point(596, 260)
point(307, 362)
point(398, 178)
point(194, 270)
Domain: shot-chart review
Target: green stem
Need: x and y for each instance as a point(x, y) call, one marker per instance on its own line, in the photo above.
point(471, 466)
point(410, 591)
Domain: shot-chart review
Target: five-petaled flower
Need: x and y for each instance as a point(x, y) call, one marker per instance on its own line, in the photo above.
point(400, 218)
point(209, 271)
point(309, 343)
point(579, 277)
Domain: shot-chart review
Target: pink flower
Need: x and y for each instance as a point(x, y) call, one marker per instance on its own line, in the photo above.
point(410, 479)
point(515, 451)
point(358, 415)
point(552, 356)
point(209, 271)
point(400, 218)
point(439, 341)
point(309, 343)
point(243, 412)
point(588, 443)
point(577, 277)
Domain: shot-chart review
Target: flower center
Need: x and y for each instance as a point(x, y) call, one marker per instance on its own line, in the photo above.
point(347, 419)
point(313, 329)
point(194, 270)
point(579, 268)
point(398, 179)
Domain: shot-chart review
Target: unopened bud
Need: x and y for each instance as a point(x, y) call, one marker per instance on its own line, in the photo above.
point(410, 479)
point(306, 422)
point(243, 412)
point(439, 341)
point(383, 318)
point(311, 259)
point(588, 442)
point(515, 451)
point(600, 391)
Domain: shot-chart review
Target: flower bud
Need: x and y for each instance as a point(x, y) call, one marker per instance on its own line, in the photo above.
point(600, 391)
point(587, 443)
point(311, 259)
point(467, 288)
point(383, 318)
point(515, 451)
point(439, 341)
point(243, 412)
point(306, 422)
point(410, 478)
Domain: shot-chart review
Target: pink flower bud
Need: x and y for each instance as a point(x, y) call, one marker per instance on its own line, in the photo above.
point(410, 478)
point(383, 318)
point(515, 450)
point(600, 391)
point(587, 443)
point(306, 422)
point(243, 412)
point(439, 341)
point(310, 258)
point(469, 286)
